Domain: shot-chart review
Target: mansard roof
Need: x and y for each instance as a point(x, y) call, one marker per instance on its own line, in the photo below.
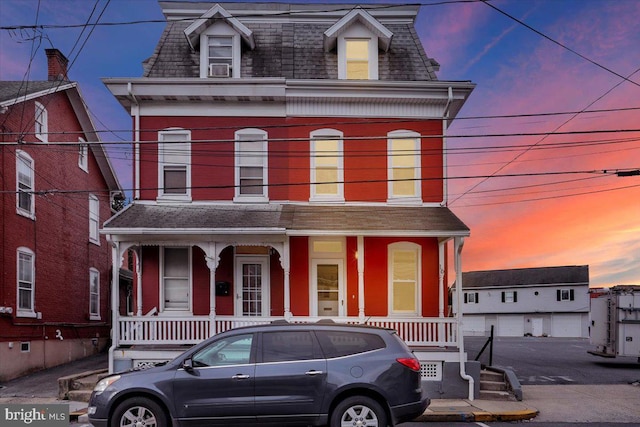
point(290, 39)
point(522, 277)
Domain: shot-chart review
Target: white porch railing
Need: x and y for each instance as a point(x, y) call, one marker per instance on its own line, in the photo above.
point(141, 330)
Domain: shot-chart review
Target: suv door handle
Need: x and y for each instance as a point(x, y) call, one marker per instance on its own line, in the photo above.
point(313, 372)
point(240, 377)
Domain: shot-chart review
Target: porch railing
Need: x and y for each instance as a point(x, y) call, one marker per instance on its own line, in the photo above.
point(149, 330)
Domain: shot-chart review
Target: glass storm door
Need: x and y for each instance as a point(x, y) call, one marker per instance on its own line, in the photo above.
point(327, 280)
point(252, 286)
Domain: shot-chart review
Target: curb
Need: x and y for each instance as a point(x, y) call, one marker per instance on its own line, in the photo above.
point(481, 416)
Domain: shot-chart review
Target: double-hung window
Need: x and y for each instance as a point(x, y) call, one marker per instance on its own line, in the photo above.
point(176, 279)
point(220, 56)
point(357, 59)
point(404, 166)
point(174, 165)
point(41, 123)
point(26, 282)
point(94, 294)
point(83, 155)
point(405, 277)
point(24, 184)
point(94, 219)
point(251, 158)
point(327, 165)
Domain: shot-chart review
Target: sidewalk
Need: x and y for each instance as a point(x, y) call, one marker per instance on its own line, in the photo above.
point(452, 410)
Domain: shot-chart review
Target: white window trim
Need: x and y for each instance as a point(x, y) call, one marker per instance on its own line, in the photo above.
point(323, 134)
point(358, 31)
point(94, 219)
point(172, 197)
point(83, 155)
point(417, 197)
point(41, 117)
point(173, 311)
point(93, 272)
point(405, 246)
point(220, 29)
point(21, 312)
point(258, 198)
point(23, 156)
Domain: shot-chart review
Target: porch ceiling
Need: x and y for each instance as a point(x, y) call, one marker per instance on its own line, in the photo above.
point(287, 219)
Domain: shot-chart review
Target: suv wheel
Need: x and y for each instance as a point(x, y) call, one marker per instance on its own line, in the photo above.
point(138, 412)
point(358, 411)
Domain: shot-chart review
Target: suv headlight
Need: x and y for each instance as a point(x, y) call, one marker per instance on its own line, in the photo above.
point(105, 382)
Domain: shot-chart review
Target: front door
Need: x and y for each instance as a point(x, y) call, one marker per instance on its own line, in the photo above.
point(252, 286)
point(328, 284)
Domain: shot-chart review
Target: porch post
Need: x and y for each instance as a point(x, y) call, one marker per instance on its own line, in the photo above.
point(361, 277)
point(286, 266)
point(212, 259)
point(441, 287)
point(139, 281)
point(115, 301)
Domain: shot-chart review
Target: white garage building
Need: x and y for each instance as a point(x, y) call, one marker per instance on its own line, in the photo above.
point(545, 301)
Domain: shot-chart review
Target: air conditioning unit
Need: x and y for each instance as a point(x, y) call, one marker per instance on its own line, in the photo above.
point(219, 70)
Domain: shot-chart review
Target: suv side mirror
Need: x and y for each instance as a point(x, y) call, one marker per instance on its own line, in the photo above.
point(187, 365)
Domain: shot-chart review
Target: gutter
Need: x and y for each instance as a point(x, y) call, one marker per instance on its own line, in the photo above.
point(135, 112)
point(459, 243)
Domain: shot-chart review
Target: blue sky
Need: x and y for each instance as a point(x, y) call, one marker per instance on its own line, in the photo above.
point(546, 218)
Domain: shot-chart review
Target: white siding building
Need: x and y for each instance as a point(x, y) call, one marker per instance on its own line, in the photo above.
point(546, 301)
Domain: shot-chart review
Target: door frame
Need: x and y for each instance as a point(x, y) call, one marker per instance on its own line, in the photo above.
point(266, 282)
point(313, 281)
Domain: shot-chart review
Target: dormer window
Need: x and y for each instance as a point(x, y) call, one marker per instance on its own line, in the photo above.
point(220, 54)
point(357, 37)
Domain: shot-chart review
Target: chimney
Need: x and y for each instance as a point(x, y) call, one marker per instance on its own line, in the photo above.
point(56, 65)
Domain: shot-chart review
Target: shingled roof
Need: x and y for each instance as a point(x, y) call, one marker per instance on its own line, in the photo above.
point(12, 91)
point(287, 46)
point(564, 275)
point(290, 218)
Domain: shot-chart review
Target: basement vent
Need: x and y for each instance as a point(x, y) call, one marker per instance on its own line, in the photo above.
point(431, 371)
point(25, 347)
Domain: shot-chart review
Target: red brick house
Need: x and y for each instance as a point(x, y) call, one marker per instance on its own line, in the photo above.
point(288, 163)
point(57, 185)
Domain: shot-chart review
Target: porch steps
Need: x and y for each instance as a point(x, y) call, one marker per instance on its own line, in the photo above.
point(78, 387)
point(493, 386)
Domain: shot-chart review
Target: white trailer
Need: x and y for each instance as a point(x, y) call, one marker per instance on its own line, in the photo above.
point(615, 321)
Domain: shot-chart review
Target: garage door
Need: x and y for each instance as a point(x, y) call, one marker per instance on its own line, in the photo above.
point(510, 326)
point(473, 326)
point(566, 325)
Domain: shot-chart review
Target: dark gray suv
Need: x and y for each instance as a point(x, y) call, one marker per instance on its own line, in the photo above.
point(280, 374)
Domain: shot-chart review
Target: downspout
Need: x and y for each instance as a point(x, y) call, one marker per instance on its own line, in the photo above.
point(445, 119)
point(135, 111)
point(459, 243)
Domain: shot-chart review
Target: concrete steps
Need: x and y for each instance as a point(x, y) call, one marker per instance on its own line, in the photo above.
point(493, 386)
point(78, 387)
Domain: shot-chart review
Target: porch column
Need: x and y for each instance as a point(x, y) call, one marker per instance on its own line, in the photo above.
point(139, 281)
point(212, 258)
point(441, 287)
point(285, 261)
point(360, 253)
point(115, 301)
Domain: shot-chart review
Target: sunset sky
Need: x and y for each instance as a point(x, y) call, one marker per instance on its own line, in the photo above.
point(531, 169)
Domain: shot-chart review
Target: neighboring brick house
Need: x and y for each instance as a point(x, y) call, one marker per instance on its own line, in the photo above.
point(288, 163)
point(56, 189)
point(544, 301)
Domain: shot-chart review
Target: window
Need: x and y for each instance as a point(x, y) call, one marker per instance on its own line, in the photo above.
point(83, 155)
point(404, 270)
point(471, 298)
point(220, 52)
point(251, 165)
point(94, 294)
point(26, 282)
point(24, 188)
point(327, 165)
point(41, 125)
point(357, 59)
point(510, 296)
point(339, 344)
point(174, 165)
point(404, 166)
point(227, 351)
point(287, 346)
point(565, 295)
point(94, 219)
point(176, 279)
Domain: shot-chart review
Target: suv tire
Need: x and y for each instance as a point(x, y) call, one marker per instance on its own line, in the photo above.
point(358, 411)
point(141, 410)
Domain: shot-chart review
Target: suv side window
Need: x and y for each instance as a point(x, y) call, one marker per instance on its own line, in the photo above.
point(339, 343)
point(235, 350)
point(283, 346)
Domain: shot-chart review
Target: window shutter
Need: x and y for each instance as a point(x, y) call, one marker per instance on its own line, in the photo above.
point(515, 296)
point(571, 295)
point(502, 296)
point(558, 295)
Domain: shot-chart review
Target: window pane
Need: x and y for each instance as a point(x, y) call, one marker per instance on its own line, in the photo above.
point(175, 180)
point(357, 70)
point(404, 188)
point(25, 268)
point(24, 299)
point(404, 296)
point(327, 246)
point(338, 344)
point(404, 265)
point(357, 49)
point(284, 346)
point(176, 262)
point(228, 351)
point(326, 152)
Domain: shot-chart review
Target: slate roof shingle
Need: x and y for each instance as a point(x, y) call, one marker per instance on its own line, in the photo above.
point(566, 275)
